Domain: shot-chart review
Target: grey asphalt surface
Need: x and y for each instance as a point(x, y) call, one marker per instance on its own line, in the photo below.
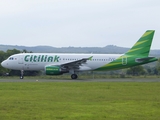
point(83, 80)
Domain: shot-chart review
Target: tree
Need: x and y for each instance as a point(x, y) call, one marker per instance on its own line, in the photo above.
point(136, 70)
point(11, 52)
point(158, 66)
point(3, 56)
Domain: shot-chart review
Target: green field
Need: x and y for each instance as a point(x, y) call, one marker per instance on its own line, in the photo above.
point(80, 101)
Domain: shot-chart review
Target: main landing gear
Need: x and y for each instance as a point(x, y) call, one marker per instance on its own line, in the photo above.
point(74, 76)
point(22, 72)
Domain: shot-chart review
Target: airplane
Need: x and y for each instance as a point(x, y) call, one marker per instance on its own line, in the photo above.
point(59, 63)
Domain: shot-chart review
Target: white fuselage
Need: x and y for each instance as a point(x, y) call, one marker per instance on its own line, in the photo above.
point(38, 61)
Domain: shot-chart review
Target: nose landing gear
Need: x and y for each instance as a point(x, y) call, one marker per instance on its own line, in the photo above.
point(22, 72)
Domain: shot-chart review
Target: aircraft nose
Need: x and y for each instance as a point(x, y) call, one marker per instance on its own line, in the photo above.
point(4, 64)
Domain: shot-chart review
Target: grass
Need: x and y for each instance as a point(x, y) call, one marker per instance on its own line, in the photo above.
point(82, 76)
point(80, 101)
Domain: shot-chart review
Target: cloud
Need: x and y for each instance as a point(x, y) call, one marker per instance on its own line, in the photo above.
point(77, 23)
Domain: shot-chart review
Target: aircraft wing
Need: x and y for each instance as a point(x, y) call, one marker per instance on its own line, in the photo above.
point(75, 64)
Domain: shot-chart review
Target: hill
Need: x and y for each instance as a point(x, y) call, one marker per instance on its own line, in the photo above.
point(109, 49)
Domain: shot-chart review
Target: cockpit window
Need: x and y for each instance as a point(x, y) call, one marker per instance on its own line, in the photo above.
point(11, 58)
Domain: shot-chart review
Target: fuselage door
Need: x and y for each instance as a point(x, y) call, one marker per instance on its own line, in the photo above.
point(124, 60)
point(20, 59)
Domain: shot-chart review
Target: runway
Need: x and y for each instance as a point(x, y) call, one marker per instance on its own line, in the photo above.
point(83, 80)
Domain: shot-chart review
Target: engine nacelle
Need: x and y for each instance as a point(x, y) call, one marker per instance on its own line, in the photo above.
point(53, 70)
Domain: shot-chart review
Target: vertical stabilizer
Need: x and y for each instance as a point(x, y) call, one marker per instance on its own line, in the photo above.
point(142, 46)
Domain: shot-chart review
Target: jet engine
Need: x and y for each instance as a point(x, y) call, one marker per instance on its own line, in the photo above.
point(53, 70)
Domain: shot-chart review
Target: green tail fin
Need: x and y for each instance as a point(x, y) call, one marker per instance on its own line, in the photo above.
point(142, 46)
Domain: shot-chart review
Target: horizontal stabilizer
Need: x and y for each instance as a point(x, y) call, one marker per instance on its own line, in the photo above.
point(144, 59)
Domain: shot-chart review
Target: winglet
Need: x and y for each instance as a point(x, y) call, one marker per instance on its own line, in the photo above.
point(142, 46)
point(90, 58)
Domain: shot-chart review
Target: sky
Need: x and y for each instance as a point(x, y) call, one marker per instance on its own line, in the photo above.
point(78, 23)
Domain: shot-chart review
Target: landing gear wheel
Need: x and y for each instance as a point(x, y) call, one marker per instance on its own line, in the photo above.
point(74, 76)
point(21, 77)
